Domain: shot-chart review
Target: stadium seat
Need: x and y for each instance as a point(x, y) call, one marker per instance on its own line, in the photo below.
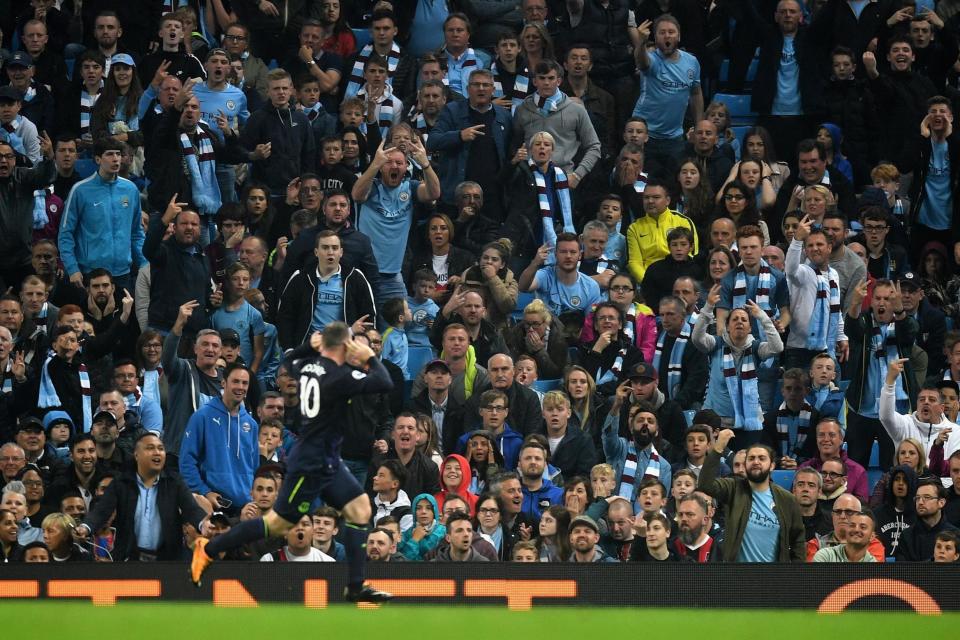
point(689, 417)
point(547, 385)
point(873, 477)
point(523, 299)
point(362, 36)
point(739, 107)
point(875, 456)
point(417, 357)
point(740, 133)
point(784, 478)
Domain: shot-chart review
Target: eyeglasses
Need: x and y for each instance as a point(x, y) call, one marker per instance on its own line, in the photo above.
point(376, 342)
point(875, 228)
point(832, 474)
point(488, 511)
point(622, 288)
point(236, 38)
point(311, 189)
point(496, 408)
point(734, 196)
point(925, 498)
point(153, 346)
point(846, 513)
point(7, 156)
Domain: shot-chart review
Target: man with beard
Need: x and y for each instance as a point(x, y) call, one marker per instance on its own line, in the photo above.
point(105, 432)
point(431, 99)
point(889, 332)
point(807, 483)
point(539, 493)
point(636, 459)
point(561, 287)
point(82, 475)
point(103, 306)
point(763, 522)
point(386, 198)
point(917, 542)
point(584, 536)
point(854, 549)
point(693, 543)
point(671, 423)
point(379, 546)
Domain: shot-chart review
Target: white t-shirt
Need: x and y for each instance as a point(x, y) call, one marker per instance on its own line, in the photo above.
point(554, 443)
point(315, 555)
point(440, 264)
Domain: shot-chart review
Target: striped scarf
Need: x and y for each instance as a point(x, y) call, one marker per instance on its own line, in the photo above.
point(610, 375)
point(385, 110)
point(86, 109)
point(742, 388)
point(49, 397)
point(793, 428)
point(883, 344)
point(201, 166)
point(312, 112)
point(562, 190)
point(549, 104)
point(356, 75)
point(520, 90)
point(40, 217)
point(765, 283)
point(7, 374)
point(629, 473)
point(469, 63)
point(675, 366)
point(825, 323)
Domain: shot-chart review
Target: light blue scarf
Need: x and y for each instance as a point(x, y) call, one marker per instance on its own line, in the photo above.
point(202, 166)
point(50, 398)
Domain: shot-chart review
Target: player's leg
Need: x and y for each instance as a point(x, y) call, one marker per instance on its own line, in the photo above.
point(346, 494)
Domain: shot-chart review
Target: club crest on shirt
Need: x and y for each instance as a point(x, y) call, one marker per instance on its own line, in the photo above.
point(358, 375)
point(246, 427)
point(404, 196)
point(575, 301)
point(231, 105)
point(124, 202)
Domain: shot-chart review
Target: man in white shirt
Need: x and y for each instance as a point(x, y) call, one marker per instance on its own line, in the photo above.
point(299, 547)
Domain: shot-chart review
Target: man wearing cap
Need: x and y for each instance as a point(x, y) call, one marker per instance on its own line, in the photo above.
point(105, 434)
point(645, 392)
point(435, 401)
point(932, 321)
point(682, 368)
point(16, 130)
point(638, 458)
point(218, 98)
point(37, 105)
point(151, 507)
point(584, 536)
point(31, 437)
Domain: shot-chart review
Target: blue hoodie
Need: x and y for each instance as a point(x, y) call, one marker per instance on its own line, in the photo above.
point(508, 443)
point(840, 162)
point(535, 503)
point(220, 452)
point(414, 550)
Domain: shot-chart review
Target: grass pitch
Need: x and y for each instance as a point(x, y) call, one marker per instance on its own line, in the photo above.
point(164, 621)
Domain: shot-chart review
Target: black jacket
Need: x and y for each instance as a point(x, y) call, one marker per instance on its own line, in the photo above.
point(368, 419)
point(175, 506)
point(453, 419)
point(524, 416)
point(598, 364)
point(16, 213)
point(696, 373)
point(458, 261)
point(836, 24)
point(292, 151)
point(851, 106)
point(357, 253)
point(299, 296)
point(902, 99)
point(474, 233)
point(916, 158)
point(839, 185)
point(40, 110)
point(66, 480)
point(933, 334)
point(177, 274)
point(489, 340)
point(659, 277)
point(917, 542)
point(575, 455)
point(182, 65)
point(550, 361)
point(423, 476)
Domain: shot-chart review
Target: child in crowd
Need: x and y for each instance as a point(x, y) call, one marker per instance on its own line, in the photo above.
point(427, 533)
point(825, 396)
point(602, 480)
point(270, 439)
point(323, 123)
point(423, 310)
point(396, 314)
point(238, 314)
point(719, 115)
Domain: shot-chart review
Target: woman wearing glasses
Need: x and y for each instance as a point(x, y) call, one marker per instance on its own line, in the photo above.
point(640, 324)
point(737, 202)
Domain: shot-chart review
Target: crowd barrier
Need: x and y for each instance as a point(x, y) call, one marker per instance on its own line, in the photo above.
point(924, 588)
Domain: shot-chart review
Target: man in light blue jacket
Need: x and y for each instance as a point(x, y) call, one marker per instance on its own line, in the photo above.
point(220, 450)
point(101, 224)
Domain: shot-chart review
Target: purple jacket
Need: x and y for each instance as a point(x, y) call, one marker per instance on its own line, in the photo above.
point(856, 475)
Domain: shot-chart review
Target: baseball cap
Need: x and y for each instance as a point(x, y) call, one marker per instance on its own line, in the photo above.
point(910, 280)
point(21, 59)
point(30, 423)
point(10, 94)
point(123, 58)
point(437, 362)
point(103, 414)
point(217, 51)
point(230, 336)
point(644, 371)
point(584, 520)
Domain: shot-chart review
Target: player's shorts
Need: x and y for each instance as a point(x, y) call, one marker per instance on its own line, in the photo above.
point(314, 472)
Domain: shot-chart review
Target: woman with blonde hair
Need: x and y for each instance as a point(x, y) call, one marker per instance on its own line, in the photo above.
point(540, 336)
point(911, 453)
point(585, 402)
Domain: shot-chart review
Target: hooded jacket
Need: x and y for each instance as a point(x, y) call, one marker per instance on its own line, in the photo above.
point(840, 161)
point(413, 549)
point(891, 523)
point(536, 502)
point(399, 509)
point(357, 252)
point(508, 443)
point(299, 296)
point(463, 489)
point(220, 452)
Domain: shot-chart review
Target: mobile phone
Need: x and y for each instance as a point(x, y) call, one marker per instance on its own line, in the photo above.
point(225, 503)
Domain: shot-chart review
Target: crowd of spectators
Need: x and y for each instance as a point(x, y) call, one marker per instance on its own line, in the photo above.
point(627, 317)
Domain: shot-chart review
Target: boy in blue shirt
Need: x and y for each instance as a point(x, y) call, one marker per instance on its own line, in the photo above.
point(323, 123)
point(610, 213)
point(423, 310)
point(396, 314)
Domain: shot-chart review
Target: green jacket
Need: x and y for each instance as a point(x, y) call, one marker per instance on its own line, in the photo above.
point(860, 333)
point(736, 497)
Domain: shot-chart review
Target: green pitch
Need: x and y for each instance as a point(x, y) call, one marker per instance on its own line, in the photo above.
point(165, 621)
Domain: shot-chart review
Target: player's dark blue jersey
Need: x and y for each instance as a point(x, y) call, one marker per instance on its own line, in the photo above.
point(325, 392)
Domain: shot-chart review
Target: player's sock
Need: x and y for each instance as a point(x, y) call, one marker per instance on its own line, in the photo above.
point(355, 542)
point(239, 535)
